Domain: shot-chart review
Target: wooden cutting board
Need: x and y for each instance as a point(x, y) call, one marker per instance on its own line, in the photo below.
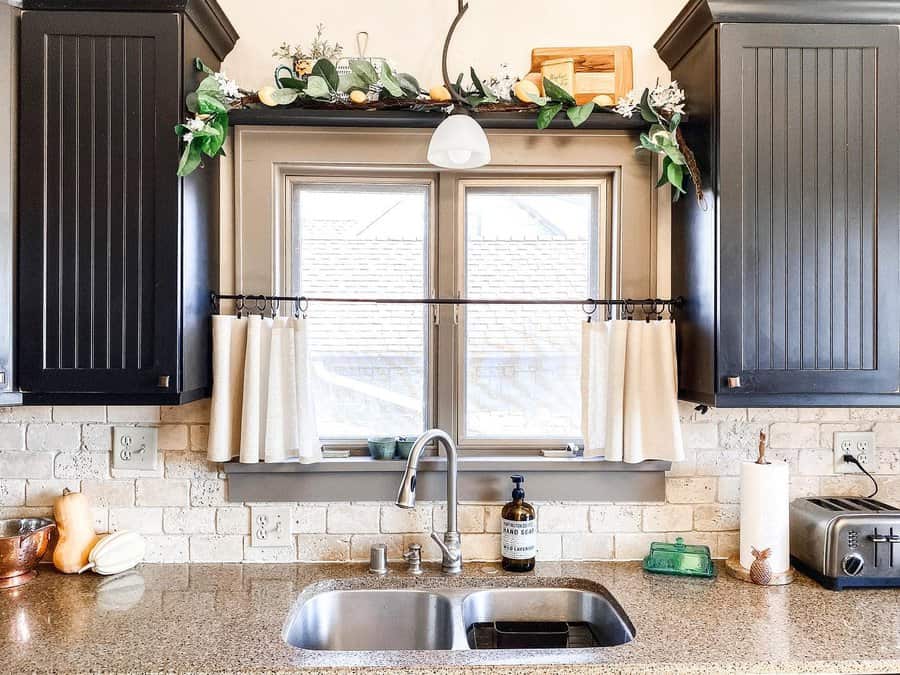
point(598, 70)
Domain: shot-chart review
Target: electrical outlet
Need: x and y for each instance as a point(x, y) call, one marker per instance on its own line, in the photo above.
point(860, 444)
point(135, 448)
point(270, 526)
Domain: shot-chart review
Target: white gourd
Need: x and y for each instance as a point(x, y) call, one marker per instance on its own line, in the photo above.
point(116, 553)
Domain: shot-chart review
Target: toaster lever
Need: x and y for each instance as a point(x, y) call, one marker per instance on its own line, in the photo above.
point(885, 538)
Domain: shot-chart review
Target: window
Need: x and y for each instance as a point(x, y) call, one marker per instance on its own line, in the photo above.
point(522, 362)
point(358, 212)
point(354, 239)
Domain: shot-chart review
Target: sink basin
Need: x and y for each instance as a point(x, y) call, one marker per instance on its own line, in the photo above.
point(603, 621)
point(373, 620)
point(445, 618)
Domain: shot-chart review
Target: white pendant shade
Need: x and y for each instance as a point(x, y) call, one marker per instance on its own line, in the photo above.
point(459, 142)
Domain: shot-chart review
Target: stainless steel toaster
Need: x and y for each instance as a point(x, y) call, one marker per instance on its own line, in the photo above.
point(846, 542)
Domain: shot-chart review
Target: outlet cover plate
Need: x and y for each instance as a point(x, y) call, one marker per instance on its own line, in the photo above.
point(270, 526)
point(860, 444)
point(135, 448)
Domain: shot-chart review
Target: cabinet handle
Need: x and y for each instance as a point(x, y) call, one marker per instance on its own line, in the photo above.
point(733, 381)
point(163, 382)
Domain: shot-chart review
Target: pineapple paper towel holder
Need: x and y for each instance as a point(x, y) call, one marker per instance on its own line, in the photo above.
point(760, 571)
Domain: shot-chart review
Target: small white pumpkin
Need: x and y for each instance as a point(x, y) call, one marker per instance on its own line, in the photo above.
point(116, 553)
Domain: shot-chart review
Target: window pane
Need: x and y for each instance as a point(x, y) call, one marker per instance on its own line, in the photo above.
point(522, 363)
point(364, 240)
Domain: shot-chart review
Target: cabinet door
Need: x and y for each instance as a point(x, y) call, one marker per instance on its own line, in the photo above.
point(99, 251)
point(808, 271)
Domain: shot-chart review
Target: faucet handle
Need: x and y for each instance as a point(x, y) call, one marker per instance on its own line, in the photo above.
point(451, 556)
point(414, 558)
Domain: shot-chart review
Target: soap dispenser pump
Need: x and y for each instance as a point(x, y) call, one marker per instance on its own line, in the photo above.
point(518, 531)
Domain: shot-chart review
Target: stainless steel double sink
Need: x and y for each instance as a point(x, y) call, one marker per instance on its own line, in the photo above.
point(417, 618)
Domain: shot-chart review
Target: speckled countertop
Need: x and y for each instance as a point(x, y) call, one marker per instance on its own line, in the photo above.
point(215, 618)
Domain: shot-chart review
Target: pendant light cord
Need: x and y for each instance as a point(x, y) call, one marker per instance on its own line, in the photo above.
point(463, 6)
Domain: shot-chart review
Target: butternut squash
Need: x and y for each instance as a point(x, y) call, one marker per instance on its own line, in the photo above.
point(74, 523)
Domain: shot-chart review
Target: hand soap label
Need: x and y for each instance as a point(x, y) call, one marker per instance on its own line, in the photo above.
point(518, 539)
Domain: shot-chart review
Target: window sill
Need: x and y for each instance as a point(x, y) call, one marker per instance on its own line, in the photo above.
point(483, 478)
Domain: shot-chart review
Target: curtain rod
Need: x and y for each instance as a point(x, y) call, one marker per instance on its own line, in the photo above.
point(305, 300)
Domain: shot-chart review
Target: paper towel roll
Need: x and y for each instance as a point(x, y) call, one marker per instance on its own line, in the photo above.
point(765, 504)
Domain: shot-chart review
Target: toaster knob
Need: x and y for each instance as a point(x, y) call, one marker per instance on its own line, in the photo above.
point(853, 564)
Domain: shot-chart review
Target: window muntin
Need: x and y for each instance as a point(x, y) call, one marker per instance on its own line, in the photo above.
point(520, 370)
point(364, 238)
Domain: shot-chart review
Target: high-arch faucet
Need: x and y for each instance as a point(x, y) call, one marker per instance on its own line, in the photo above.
point(451, 558)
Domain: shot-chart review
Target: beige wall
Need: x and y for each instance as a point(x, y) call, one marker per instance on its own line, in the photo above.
point(411, 32)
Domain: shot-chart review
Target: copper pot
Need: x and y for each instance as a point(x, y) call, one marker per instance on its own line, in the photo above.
point(23, 542)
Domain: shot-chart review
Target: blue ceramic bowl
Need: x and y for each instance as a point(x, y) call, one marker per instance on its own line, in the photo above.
point(382, 448)
point(404, 445)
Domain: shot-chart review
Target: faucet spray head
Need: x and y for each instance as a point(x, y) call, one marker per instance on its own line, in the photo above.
point(406, 497)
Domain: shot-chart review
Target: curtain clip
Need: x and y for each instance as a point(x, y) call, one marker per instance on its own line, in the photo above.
point(590, 314)
point(239, 306)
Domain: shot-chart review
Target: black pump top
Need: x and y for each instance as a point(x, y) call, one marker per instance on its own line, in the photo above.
point(518, 492)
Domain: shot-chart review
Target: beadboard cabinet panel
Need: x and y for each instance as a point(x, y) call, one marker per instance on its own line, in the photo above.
point(96, 239)
point(809, 209)
point(116, 252)
point(791, 272)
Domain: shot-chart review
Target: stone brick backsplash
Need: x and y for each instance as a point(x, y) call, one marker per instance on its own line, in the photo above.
point(181, 509)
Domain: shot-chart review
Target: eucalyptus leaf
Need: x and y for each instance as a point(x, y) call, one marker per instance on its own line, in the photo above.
point(539, 100)
point(364, 71)
point(180, 130)
point(478, 84)
point(391, 85)
point(317, 87)
point(211, 144)
point(647, 111)
point(556, 93)
point(192, 103)
point(675, 174)
point(547, 113)
point(674, 122)
point(209, 86)
point(664, 176)
point(410, 84)
point(674, 154)
point(202, 67)
point(285, 96)
point(292, 83)
point(326, 70)
point(350, 82)
point(647, 144)
point(190, 159)
point(580, 113)
point(209, 104)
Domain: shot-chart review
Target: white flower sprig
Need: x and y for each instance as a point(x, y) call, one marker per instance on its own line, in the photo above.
point(667, 98)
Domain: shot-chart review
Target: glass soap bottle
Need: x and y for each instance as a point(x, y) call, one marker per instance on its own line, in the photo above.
point(518, 531)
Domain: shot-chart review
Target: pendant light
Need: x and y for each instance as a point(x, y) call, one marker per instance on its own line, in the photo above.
point(459, 142)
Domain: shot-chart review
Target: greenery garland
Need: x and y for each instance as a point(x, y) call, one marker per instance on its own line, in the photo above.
point(205, 132)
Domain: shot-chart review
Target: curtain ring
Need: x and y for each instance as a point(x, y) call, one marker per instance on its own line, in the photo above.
point(629, 309)
point(302, 305)
point(590, 314)
point(261, 307)
point(214, 302)
point(239, 305)
point(274, 304)
point(296, 308)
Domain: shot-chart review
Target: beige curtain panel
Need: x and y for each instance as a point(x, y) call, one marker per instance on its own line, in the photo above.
point(262, 405)
point(630, 391)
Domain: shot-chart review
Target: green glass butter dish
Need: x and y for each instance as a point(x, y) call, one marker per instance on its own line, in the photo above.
point(679, 558)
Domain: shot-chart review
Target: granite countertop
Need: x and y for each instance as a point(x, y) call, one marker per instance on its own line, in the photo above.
point(215, 618)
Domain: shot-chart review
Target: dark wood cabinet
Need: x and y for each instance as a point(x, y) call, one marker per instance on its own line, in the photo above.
point(116, 254)
point(791, 274)
point(9, 50)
